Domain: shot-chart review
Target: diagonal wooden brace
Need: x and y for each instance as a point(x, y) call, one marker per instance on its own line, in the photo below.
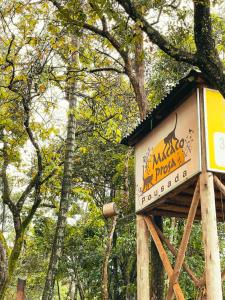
point(219, 184)
point(197, 282)
point(163, 255)
point(184, 242)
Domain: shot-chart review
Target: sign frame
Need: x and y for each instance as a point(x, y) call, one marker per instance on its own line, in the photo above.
point(162, 195)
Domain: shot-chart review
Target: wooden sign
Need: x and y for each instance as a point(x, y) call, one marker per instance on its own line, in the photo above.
point(169, 155)
point(214, 105)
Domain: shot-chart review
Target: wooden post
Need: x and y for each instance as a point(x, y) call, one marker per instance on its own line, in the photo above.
point(210, 237)
point(20, 294)
point(209, 224)
point(143, 288)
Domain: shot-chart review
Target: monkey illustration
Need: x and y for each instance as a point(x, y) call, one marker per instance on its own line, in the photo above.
point(168, 140)
point(147, 180)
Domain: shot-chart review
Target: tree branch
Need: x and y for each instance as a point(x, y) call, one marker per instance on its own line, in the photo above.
point(36, 183)
point(30, 134)
point(110, 56)
point(105, 70)
point(203, 28)
point(6, 193)
point(9, 61)
point(156, 37)
point(208, 58)
point(102, 32)
point(26, 192)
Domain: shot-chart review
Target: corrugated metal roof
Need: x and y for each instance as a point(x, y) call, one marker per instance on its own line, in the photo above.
point(175, 97)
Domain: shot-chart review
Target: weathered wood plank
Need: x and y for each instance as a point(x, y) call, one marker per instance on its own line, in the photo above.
point(163, 255)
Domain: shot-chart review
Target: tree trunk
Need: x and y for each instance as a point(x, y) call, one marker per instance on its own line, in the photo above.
point(68, 295)
point(66, 187)
point(139, 67)
point(105, 283)
point(58, 290)
point(206, 57)
point(20, 294)
point(157, 273)
point(3, 262)
point(13, 258)
point(116, 294)
point(80, 289)
point(75, 292)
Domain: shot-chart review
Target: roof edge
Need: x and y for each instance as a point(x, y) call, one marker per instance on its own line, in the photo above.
point(175, 97)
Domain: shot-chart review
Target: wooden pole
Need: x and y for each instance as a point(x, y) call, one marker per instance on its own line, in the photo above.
point(210, 237)
point(143, 287)
point(209, 224)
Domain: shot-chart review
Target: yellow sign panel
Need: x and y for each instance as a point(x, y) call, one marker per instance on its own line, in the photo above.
point(168, 155)
point(215, 130)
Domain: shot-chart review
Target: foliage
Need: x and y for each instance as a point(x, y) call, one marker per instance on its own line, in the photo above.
point(35, 49)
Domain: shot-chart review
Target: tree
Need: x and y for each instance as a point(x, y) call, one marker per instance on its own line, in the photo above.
point(206, 56)
point(66, 180)
point(131, 50)
point(121, 77)
point(24, 66)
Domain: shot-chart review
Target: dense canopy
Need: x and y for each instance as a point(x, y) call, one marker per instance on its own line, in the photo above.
point(76, 77)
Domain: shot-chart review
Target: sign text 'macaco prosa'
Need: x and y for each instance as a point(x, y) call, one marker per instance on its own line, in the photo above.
point(169, 155)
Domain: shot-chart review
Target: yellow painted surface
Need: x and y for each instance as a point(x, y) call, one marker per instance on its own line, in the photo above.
point(215, 130)
point(163, 160)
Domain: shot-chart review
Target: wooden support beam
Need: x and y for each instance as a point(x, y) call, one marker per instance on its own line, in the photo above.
point(163, 255)
point(160, 212)
point(178, 208)
point(181, 198)
point(188, 185)
point(174, 251)
point(219, 184)
point(143, 282)
point(184, 242)
point(210, 237)
point(166, 213)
